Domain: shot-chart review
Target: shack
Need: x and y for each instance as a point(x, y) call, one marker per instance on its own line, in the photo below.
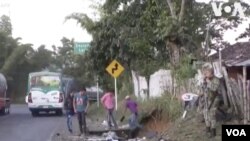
point(235, 60)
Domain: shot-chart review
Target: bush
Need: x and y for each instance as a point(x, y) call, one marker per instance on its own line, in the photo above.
point(185, 70)
point(125, 85)
point(168, 107)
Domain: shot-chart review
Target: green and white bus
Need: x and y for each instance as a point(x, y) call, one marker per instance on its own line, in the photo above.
point(45, 92)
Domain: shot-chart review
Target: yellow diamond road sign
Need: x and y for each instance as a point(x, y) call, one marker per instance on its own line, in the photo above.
point(115, 69)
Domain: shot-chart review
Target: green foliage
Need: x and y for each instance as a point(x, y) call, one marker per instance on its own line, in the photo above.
point(16, 57)
point(171, 107)
point(185, 70)
point(138, 34)
point(125, 85)
point(18, 60)
point(141, 35)
point(5, 25)
point(124, 35)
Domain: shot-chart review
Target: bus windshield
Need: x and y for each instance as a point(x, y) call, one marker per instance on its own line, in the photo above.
point(45, 81)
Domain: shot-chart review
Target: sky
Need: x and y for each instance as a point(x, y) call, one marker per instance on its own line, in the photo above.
point(42, 21)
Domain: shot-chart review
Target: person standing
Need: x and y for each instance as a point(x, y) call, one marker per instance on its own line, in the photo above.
point(68, 105)
point(211, 88)
point(81, 104)
point(108, 103)
point(132, 106)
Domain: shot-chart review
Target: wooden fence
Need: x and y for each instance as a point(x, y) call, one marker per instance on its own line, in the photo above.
point(234, 97)
point(232, 91)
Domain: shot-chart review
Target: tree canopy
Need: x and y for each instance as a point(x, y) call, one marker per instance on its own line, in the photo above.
point(144, 36)
point(148, 35)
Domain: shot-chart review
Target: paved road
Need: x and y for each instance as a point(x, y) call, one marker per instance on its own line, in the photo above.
point(21, 126)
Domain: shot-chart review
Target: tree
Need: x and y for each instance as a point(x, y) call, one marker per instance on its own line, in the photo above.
point(5, 25)
point(64, 55)
point(145, 35)
point(116, 36)
point(15, 59)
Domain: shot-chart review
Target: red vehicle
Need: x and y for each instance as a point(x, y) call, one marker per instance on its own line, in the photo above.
point(4, 99)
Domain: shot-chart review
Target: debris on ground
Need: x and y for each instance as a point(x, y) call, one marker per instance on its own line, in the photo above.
point(110, 136)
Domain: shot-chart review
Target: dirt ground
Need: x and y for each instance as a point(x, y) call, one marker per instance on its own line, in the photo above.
point(193, 129)
point(189, 129)
point(95, 117)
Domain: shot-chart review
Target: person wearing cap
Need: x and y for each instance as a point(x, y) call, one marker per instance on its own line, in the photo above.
point(132, 106)
point(211, 88)
point(108, 103)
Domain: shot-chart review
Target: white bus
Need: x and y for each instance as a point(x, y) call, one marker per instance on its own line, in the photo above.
point(45, 92)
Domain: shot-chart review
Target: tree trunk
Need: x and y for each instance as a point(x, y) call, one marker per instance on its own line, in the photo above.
point(172, 9)
point(148, 79)
point(135, 77)
point(138, 84)
point(181, 16)
point(174, 52)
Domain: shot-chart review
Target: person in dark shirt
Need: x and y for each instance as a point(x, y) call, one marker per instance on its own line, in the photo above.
point(69, 110)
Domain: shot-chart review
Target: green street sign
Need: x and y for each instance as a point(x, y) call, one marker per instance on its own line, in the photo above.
point(80, 47)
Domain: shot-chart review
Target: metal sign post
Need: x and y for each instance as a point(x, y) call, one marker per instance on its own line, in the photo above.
point(116, 95)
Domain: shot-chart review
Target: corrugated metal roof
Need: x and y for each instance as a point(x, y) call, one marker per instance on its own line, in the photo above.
point(244, 63)
point(235, 55)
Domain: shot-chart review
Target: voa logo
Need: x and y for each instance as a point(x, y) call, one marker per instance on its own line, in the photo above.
point(234, 9)
point(236, 132)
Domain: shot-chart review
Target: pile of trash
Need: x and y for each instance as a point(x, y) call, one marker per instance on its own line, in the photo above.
point(105, 125)
point(110, 136)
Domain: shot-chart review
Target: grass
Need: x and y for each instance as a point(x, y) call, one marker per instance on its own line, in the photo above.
point(171, 109)
point(190, 129)
point(169, 106)
point(168, 123)
point(99, 114)
point(158, 113)
point(96, 112)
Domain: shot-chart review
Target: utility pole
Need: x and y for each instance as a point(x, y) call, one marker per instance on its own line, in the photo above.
point(207, 40)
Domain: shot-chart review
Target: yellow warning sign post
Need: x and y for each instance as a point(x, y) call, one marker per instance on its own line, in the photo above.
point(115, 69)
